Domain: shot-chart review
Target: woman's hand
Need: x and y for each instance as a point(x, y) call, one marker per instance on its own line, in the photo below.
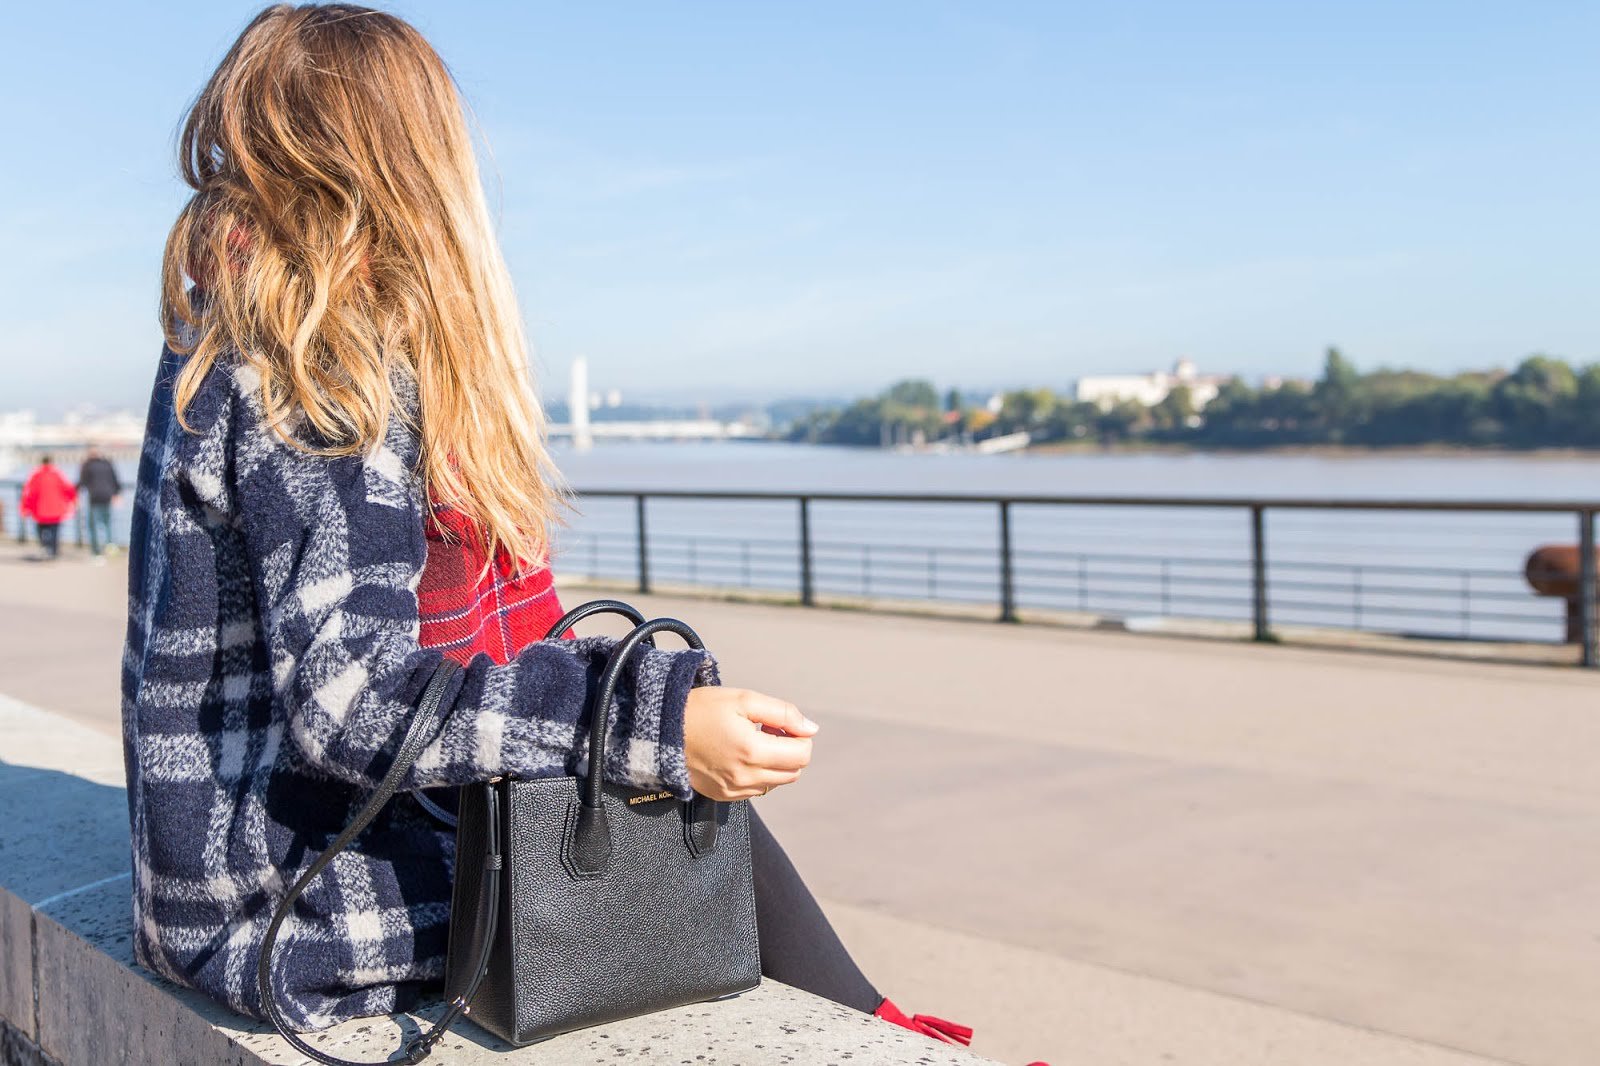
point(741, 744)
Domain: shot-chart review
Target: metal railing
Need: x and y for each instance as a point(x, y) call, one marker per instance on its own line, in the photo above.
point(1245, 563)
point(1253, 580)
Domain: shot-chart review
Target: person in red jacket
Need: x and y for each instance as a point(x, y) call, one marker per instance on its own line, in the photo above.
point(48, 498)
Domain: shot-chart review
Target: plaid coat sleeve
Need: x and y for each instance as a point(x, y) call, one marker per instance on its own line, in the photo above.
point(336, 548)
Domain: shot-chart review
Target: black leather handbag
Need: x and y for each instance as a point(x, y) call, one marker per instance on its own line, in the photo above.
point(576, 902)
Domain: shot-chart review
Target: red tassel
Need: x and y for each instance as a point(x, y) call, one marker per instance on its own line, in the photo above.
point(949, 1031)
point(926, 1024)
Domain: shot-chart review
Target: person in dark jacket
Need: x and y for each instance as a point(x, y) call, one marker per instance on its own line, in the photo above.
point(97, 479)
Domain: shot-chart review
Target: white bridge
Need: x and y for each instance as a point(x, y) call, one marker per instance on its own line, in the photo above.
point(655, 429)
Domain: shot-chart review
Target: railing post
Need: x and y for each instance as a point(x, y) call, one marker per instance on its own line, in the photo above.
point(807, 593)
point(1258, 571)
point(22, 523)
point(1008, 590)
point(644, 545)
point(1355, 598)
point(1586, 589)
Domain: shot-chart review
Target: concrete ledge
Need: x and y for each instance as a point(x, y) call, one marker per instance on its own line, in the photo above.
point(70, 994)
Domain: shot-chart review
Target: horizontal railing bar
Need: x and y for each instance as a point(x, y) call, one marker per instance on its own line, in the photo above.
point(1147, 585)
point(951, 555)
point(850, 585)
point(1221, 502)
point(1096, 599)
point(684, 550)
point(1413, 612)
point(885, 555)
point(1344, 589)
point(951, 558)
point(1123, 557)
point(1075, 581)
point(1277, 566)
point(630, 538)
point(890, 556)
point(1112, 518)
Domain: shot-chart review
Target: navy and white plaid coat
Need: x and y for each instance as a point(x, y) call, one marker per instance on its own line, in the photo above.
point(272, 660)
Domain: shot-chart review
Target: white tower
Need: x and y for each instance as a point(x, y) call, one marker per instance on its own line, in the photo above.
point(578, 405)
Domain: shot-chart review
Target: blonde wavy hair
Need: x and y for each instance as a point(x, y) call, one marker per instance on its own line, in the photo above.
point(340, 237)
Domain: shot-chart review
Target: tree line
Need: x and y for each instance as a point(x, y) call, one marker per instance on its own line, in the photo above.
point(1544, 402)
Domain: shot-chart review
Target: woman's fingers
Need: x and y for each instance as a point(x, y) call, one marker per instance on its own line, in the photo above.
point(777, 714)
point(727, 758)
point(770, 752)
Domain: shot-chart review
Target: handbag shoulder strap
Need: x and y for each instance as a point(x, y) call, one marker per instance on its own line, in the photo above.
point(429, 714)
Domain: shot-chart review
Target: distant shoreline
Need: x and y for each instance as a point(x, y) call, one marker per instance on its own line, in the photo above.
point(1323, 451)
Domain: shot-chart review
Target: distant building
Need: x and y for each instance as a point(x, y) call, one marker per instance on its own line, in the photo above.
point(1150, 389)
point(23, 438)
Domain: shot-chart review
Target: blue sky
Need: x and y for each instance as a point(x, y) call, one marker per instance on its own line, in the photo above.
point(760, 199)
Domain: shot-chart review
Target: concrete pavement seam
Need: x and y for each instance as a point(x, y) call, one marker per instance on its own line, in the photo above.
point(69, 893)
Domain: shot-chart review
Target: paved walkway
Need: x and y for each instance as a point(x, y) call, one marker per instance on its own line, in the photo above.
point(1104, 849)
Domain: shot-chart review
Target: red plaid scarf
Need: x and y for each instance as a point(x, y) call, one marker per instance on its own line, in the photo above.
point(464, 610)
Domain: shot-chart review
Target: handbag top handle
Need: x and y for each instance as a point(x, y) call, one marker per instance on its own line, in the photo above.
point(589, 847)
point(594, 607)
point(644, 633)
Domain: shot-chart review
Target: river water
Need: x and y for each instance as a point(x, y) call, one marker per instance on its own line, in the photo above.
point(1448, 575)
point(799, 467)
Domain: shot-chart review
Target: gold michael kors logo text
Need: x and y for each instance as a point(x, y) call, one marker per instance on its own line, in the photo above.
point(649, 797)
